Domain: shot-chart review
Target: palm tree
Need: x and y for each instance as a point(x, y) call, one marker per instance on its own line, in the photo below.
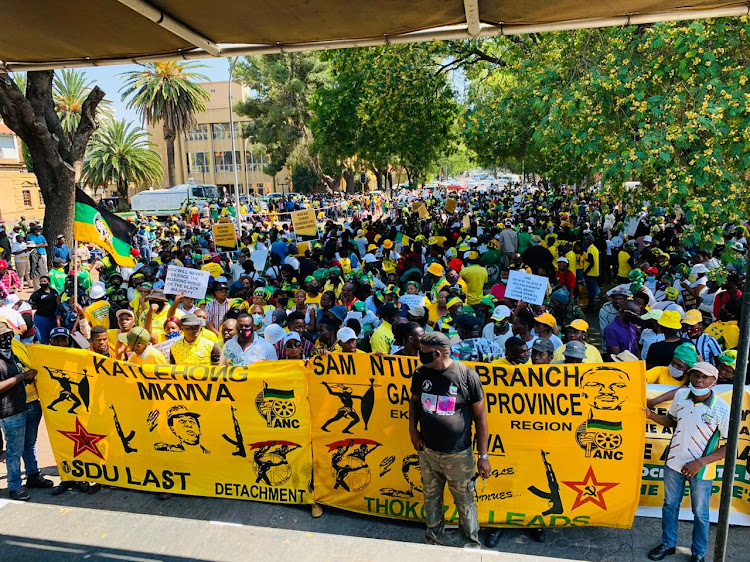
point(69, 90)
point(167, 92)
point(121, 154)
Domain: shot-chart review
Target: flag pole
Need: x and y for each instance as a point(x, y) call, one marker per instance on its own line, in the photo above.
point(77, 168)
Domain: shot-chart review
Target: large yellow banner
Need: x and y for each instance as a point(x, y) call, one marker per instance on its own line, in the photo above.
point(565, 443)
point(657, 441)
point(233, 432)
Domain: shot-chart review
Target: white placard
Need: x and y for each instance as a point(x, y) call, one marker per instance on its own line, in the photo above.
point(411, 300)
point(631, 225)
point(259, 258)
point(189, 282)
point(525, 287)
point(165, 346)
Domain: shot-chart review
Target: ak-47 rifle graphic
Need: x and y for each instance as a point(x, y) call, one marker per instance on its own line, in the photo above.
point(553, 496)
point(126, 439)
point(237, 441)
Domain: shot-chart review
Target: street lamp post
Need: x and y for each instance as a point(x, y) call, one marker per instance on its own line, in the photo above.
point(232, 63)
point(252, 164)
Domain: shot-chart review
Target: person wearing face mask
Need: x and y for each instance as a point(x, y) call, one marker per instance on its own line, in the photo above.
point(247, 347)
point(155, 315)
point(516, 353)
point(621, 334)
point(44, 302)
point(498, 329)
point(707, 346)
point(193, 348)
point(684, 357)
point(446, 399)
point(699, 419)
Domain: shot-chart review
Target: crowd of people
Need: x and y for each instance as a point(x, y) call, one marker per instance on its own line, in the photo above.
point(394, 275)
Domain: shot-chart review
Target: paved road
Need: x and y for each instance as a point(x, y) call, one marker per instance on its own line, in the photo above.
point(132, 525)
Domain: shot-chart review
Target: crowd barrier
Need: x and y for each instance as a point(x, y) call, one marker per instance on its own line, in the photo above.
point(566, 442)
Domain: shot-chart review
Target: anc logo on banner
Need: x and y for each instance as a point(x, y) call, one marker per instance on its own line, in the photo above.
point(186, 430)
point(553, 451)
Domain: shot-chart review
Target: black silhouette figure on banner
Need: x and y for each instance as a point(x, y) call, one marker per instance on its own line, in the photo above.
point(125, 439)
point(553, 496)
point(152, 420)
point(66, 390)
point(271, 465)
point(351, 471)
point(186, 426)
point(237, 441)
point(413, 476)
point(367, 401)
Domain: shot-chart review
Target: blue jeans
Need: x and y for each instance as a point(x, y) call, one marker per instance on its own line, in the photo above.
point(44, 326)
point(33, 418)
point(700, 495)
point(14, 428)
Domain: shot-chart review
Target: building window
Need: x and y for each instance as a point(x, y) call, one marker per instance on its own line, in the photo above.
point(223, 161)
point(198, 133)
point(220, 131)
point(198, 162)
point(26, 198)
point(8, 150)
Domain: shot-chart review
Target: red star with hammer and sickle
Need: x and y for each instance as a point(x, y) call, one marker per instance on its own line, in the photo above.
point(83, 440)
point(590, 490)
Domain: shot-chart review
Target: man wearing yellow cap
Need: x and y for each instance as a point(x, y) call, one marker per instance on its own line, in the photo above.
point(577, 331)
point(476, 277)
point(707, 346)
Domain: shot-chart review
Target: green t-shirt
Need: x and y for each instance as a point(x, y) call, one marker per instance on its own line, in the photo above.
point(524, 241)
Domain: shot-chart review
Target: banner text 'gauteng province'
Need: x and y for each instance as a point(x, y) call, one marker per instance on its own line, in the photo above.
point(566, 441)
point(232, 432)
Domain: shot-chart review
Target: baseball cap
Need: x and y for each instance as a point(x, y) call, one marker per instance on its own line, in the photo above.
point(60, 331)
point(346, 334)
point(436, 339)
point(653, 314)
point(544, 345)
point(699, 269)
point(575, 349)
point(579, 324)
point(467, 321)
point(418, 311)
point(692, 317)
point(135, 336)
point(706, 368)
point(292, 336)
point(563, 259)
point(274, 333)
point(619, 292)
point(157, 295)
point(500, 313)
point(546, 319)
point(123, 311)
point(190, 320)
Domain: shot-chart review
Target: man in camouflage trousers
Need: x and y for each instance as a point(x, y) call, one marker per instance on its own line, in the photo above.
point(446, 398)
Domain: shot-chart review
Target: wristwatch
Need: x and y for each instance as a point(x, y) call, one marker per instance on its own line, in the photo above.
point(484, 457)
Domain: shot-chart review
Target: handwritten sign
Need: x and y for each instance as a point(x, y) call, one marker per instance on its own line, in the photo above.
point(191, 282)
point(411, 300)
point(224, 235)
point(450, 206)
point(415, 205)
point(525, 287)
point(304, 223)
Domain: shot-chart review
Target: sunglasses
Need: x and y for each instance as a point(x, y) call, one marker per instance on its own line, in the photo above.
point(293, 344)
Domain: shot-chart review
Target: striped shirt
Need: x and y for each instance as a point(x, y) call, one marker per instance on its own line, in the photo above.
point(708, 348)
point(216, 311)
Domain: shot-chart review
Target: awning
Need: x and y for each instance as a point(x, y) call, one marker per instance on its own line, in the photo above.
point(39, 34)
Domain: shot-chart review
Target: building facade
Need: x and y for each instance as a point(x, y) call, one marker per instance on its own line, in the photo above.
point(204, 154)
point(19, 190)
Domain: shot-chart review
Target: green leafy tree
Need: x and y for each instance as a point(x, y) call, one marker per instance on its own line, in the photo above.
point(121, 154)
point(70, 89)
point(279, 109)
point(167, 93)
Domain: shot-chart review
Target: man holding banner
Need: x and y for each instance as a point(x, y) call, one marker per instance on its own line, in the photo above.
point(700, 419)
point(446, 397)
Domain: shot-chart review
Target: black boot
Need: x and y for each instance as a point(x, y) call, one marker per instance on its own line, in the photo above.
point(38, 481)
point(492, 538)
point(660, 552)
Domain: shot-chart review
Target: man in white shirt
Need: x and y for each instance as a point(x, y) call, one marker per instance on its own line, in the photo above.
point(246, 347)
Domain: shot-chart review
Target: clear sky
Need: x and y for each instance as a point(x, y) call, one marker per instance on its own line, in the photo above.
point(108, 79)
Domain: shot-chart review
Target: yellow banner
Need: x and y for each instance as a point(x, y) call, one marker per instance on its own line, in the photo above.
point(565, 441)
point(450, 206)
point(657, 441)
point(304, 223)
point(232, 432)
point(224, 235)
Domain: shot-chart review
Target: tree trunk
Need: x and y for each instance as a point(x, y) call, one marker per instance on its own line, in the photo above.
point(351, 185)
point(169, 137)
point(32, 117)
point(379, 178)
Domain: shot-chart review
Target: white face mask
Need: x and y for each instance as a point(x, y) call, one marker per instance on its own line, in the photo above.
point(676, 373)
point(699, 391)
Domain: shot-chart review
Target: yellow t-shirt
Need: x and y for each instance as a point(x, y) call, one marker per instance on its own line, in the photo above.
point(152, 356)
point(476, 277)
point(661, 375)
point(382, 338)
point(593, 251)
point(97, 314)
point(433, 315)
point(572, 258)
point(504, 361)
point(214, 269)
point(623, 267)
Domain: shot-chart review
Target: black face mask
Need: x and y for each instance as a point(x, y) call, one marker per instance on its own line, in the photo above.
point(246, 333)
point(282, 302)
point(313, 291)
point(426, 358)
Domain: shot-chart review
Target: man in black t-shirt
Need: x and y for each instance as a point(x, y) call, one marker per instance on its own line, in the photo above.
point(446, 397)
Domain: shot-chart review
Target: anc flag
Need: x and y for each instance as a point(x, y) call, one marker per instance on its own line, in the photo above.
point(103, 228)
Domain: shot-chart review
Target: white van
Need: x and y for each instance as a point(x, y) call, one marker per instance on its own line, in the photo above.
point(164, 202)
